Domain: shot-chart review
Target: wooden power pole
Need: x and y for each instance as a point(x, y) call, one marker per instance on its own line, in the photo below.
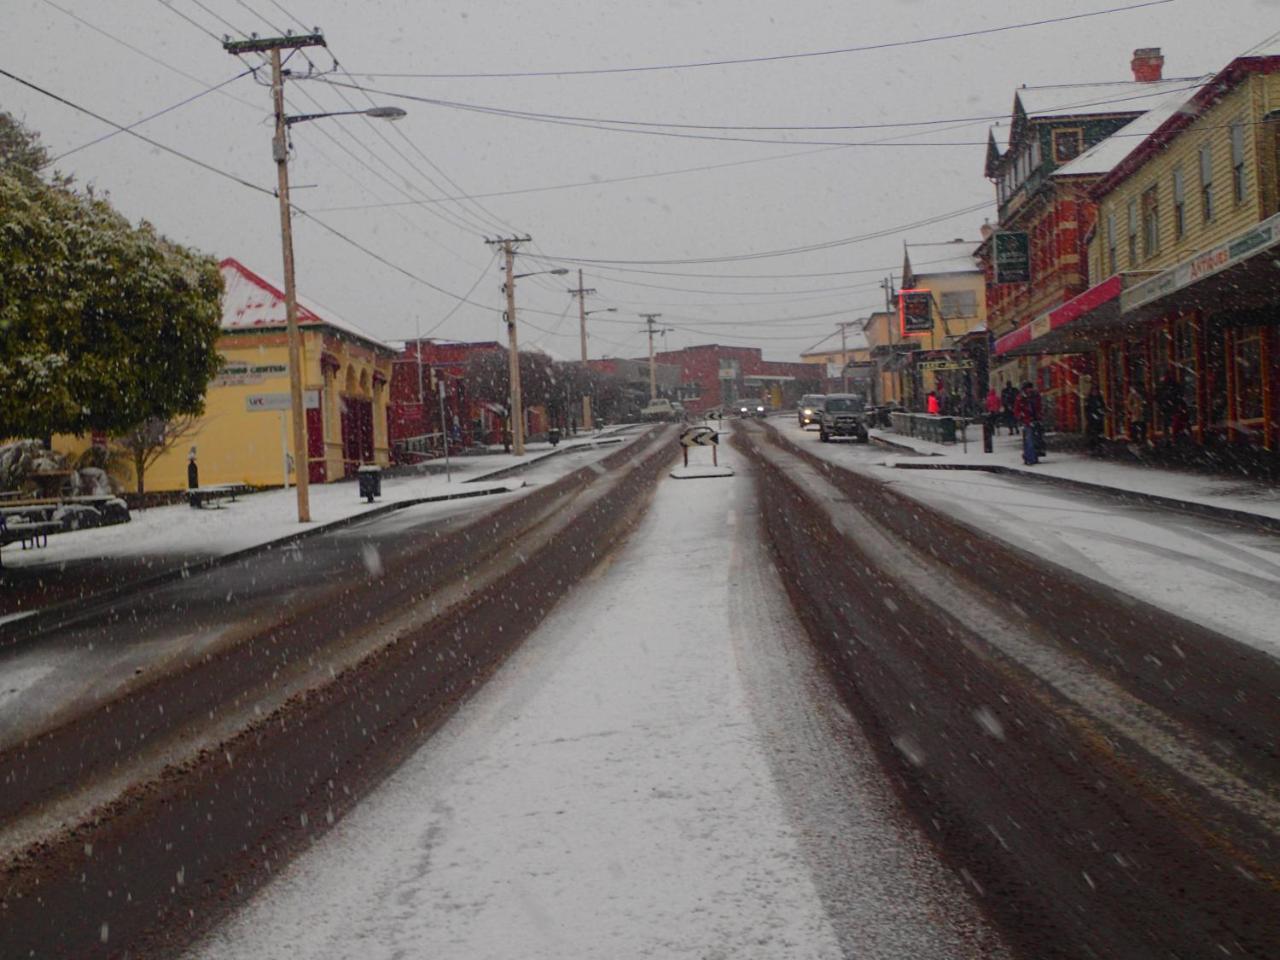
point(508, 246)
point(581, 294)
point(649, 318)
point(280, 152)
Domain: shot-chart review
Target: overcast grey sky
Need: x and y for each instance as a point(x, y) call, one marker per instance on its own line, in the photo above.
point(810, 194)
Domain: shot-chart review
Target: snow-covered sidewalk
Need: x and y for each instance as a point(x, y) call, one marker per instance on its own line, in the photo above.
point(1237, 494)
point(648, 776)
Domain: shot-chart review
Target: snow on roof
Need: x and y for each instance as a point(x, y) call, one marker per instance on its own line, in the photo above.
point(1093, 99)
point(251, 302)
point(954, 256)
point(1106, 155)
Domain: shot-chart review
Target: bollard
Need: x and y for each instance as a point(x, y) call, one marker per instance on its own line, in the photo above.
point(988, 435)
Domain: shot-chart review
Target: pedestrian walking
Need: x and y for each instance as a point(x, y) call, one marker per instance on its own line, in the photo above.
point(1027, 411)
point(1095, 416)
point(931, 403)
point(1008, 397)
point(1135, 411)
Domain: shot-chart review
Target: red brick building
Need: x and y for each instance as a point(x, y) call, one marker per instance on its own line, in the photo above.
point(723, 375)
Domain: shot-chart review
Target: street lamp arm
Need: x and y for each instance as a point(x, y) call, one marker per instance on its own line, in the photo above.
point(380, 113)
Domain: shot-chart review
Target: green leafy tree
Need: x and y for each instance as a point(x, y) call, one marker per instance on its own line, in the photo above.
point(103, 325)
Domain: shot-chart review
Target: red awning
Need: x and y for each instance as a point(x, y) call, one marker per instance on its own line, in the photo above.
point(1031, 338)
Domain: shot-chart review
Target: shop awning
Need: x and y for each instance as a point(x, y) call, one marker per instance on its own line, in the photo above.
point(1075, 326)
point(1236, 275)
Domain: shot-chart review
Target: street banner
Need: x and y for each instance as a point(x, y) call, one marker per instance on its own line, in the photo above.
point(1011, 256)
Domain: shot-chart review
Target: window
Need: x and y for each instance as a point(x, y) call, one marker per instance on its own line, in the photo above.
point(1179, 204)
point(1249, 374)
point(960, 303)
point(1206, 182)
point(1150, 222)
point(1035, 153)
point(1133, 234)
point(1111, 243)
point(1066, 145)
point(1237, 159)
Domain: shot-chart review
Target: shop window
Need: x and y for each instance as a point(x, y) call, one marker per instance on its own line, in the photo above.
point(1179, 204)
point(1237, 160)
point(1066, 145)
point(1133, 234)
point(1249, 374)
point(1206, 182)
point(1150, 221)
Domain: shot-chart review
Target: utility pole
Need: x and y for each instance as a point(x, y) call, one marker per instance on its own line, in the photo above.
point(280, 152)
point(653, 370)
point(581, 294)
point(508, 246)
point(844, 353)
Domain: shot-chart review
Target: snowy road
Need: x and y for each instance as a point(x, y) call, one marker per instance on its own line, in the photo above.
point(660, 771)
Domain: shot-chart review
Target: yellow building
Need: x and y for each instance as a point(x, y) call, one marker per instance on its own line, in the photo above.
point(943, 308)
point(245, 434)
point(1183, 308)
point(886, 347)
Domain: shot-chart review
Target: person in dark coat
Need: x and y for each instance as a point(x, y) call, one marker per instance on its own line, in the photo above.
point(1008, 397)
point(1027, 411)
point(1095, 417)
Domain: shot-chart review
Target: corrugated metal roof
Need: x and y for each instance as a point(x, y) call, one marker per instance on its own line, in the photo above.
point(1106, 155)
point(954, 256)
point(251, 302)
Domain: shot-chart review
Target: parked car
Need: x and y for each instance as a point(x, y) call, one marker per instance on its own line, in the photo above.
point(753, 408)
point(810, 407)
point(843, 415)
point(661, 410)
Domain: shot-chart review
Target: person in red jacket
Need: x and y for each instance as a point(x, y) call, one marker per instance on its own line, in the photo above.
point(931, 403)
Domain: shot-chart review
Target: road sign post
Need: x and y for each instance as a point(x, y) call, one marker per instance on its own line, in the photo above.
point(700, 437)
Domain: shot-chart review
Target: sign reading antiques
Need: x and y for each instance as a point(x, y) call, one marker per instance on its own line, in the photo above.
point(915, 312)
point(1011, 256)
point(945, 365)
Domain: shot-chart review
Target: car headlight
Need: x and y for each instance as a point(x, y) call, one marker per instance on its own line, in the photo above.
point(759, 409)
point(808, 413)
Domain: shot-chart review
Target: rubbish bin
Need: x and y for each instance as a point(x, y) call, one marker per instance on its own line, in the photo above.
point(553, 436)
point(369, 476)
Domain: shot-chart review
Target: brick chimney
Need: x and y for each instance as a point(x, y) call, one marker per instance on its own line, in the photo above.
point(1147, 64)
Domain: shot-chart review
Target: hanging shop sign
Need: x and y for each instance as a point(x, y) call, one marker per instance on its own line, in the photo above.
point(915, 312)
point(1011, 256)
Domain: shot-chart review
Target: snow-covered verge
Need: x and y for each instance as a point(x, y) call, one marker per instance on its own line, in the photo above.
point(623, 788)
point(1224, 577)
point(260, 518)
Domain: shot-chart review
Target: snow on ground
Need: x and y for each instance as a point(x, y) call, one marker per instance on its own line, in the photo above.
point(272, 515)
point(650, 775)
point(1223, 577)
point(1251, 496)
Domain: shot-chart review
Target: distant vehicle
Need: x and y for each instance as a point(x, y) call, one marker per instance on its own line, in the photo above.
point(843, 415)
point(753, 408)
point(810, 407)
point(661, 410)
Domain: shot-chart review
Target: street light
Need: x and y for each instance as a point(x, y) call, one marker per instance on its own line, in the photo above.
point(280, 152)
point(517, 403)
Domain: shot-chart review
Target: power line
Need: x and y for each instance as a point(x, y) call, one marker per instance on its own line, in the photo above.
point(149, 117)
point(133, 133)
point(809, 248)
point(888, 45)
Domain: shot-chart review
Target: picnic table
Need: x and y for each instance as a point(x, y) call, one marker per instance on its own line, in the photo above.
point(213, 494)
